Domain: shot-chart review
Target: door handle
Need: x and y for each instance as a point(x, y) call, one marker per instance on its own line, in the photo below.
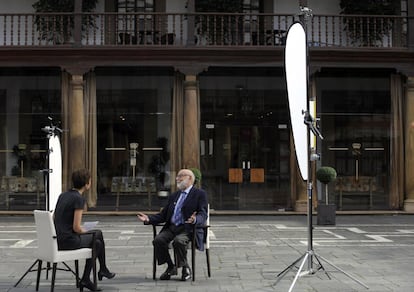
point(245, 165)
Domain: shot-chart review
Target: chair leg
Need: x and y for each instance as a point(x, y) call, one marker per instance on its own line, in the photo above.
point(208, 262)
point(24, 275)
point(175, 258)
point(39, 270)
point(52, 286)
point(77, 273)
point(193, 255)
point(154, 265)
point(47, 270)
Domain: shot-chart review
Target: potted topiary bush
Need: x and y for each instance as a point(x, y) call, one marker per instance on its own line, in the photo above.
point(325, 175)
point(326, 212)
point(197, 174)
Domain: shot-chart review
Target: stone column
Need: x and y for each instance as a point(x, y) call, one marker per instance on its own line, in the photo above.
point(409, 146)
point(76, 124)
point(191, 148)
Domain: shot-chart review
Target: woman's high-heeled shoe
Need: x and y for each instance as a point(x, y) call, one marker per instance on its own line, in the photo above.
point(106, 274)
point(89, 285)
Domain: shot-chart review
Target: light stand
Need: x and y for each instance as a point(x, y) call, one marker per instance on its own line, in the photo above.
point(133, 158)
point(51, 131)
point(309, 257)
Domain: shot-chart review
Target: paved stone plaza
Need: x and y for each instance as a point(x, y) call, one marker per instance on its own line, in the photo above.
point(247, 252)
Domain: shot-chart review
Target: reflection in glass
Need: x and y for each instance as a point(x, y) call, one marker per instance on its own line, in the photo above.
point(133, 108)
point(28, 97)
point(355, 120)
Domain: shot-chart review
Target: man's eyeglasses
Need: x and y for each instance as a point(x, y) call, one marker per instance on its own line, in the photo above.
point(182, 175)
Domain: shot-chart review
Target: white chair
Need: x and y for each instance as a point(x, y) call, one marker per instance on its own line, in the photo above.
point(47, 250)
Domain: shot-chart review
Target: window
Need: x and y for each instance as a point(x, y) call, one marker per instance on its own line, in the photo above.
point(134, 24)
point(28, 97)
point(354, 108)
point(134, 123)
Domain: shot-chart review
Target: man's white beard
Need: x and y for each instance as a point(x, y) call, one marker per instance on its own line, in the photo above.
point(182, 185)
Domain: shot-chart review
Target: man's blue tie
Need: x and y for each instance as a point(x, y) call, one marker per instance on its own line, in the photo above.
point(177, 217)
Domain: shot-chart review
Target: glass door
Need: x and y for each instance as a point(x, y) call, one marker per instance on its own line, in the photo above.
point(355, 112)
point(244, 140)
point(258, 170)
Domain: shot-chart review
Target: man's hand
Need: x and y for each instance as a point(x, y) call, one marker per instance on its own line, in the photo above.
point(192, 219)
point(143, 217)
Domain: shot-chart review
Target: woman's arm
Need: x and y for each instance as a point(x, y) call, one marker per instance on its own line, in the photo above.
point(77, 221)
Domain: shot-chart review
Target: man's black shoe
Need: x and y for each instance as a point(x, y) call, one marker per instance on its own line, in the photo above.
point(170, 271)
point(186, 274)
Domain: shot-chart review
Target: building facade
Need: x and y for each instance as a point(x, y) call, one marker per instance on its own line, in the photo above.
point(141, 89)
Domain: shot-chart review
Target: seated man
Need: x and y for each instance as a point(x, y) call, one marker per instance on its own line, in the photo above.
point(185, 207)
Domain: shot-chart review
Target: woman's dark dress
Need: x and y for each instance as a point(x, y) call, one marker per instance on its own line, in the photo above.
point(66, 205)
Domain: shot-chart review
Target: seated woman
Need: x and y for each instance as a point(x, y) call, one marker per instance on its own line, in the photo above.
point(71, 235)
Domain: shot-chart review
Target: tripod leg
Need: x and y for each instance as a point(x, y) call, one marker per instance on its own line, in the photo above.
point(285, 271)
point(24, 275)
point(298, 273)
point(321, 267)
point(345, 273)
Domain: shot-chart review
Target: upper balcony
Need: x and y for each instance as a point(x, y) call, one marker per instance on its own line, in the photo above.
point(197, 30)
point(195, 41)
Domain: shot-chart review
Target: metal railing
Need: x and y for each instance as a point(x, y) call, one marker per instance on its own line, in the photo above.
point(197, 29)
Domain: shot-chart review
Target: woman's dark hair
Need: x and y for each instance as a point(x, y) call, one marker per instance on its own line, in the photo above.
point(80, 178)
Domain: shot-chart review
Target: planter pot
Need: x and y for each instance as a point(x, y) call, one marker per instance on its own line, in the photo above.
point(326, 214)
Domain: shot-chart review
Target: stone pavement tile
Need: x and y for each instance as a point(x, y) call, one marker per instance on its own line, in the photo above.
point(246, 255)
point(230, 286)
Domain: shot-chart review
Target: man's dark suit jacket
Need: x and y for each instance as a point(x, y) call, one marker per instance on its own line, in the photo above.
point(196, 201)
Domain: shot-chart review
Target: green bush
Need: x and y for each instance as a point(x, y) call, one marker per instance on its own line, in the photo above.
point(197, 174)
point(326, 174)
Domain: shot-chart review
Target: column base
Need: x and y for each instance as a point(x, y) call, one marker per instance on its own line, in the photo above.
point(409, 205)
point(301, 206)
